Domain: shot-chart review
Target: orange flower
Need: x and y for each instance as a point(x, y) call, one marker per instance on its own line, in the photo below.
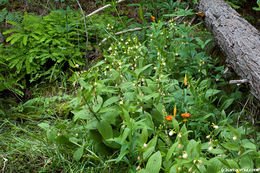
point(169, 117)
point(185, 80)
point(185, 115)
point(153, 18)
point(174, 111)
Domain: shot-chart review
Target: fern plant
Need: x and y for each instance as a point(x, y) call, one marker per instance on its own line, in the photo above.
point(44, 46)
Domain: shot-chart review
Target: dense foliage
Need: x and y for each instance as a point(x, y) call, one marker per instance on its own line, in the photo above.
point(156, 100)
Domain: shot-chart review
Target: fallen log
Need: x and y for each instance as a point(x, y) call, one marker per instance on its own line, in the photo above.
point(237, 38)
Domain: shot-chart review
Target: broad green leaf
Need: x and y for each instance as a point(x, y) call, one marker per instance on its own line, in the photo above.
point(126, 116)
point(144, 135)
point(175, 125)
point(246, 162)
point(44, 126)
point(154, 163)
point(111, 101)
point(211, 92)
point(51, 135)
point(227, 103)
point(80, 114)
point(231, 146)
point(78, 154)
point(248, 144)
point(140, 70)
point(98, 105)
point(171, 151)
point(150, 148)
point(214, 165)
point(105, 129)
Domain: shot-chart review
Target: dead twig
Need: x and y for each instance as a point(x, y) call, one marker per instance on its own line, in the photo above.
point(238, 82)
point(85, 25)
point(5, 160)
point(122, 32)
point(102, 8)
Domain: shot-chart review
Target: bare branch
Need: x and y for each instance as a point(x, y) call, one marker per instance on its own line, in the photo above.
point(102, 8)
point(238, 82)
point(122, 32)
point(85, 25)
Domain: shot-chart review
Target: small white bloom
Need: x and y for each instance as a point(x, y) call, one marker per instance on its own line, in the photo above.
point(145, 145)
point(164, 64)
point(155, 68)
point(210, 148)
point(234, 138)
point(208, 136)
point(77, 66)
point(121, 102)
point(215, 126)
point(171, 133)
point(185, 156)
point(179, 135)
point(190, 169)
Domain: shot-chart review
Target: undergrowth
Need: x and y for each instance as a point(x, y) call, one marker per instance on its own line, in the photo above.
point(154, 101)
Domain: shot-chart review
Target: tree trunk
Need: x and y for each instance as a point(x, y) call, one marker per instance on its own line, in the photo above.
point(237, 38)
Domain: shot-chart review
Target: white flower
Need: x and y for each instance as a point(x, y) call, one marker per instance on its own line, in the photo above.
point(185, 156)
point(171, 133)
point(77, 66)
point(215, 127)
point(210, 148)
point(121, 102)
point(145, 145)
point(208, 136)
point(234, 138)
point(155, 68)
point(190, 169)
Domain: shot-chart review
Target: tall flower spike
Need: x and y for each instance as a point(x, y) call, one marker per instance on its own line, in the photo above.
point(174, 111)
point(185, 80)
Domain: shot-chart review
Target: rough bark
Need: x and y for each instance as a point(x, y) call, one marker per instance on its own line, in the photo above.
point(237, 38)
